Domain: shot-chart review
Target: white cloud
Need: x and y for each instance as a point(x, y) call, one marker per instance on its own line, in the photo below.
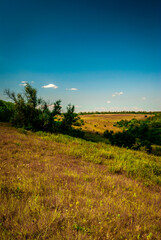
point(72, 89)
point(23, 83)
point(143, 98)
point(117, 94)
point(108, 101)
point(77, 106)
point(50, 86)
point(32, 81)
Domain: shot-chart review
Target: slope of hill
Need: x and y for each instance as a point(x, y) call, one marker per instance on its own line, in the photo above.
point(101, 122)
point(59, 187)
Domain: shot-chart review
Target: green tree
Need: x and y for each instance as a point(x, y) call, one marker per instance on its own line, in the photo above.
point(26, 107)
point(33, 113)
point(57, 108)
point(69, 117)
point(6, 111)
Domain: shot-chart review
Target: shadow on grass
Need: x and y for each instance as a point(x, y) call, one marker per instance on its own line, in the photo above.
point(95, 137)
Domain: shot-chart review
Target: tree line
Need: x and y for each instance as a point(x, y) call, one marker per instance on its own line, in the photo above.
point(137, 134)
point(32, 113)
point(117, 112)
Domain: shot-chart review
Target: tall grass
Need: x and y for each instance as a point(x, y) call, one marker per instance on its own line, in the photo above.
point(59, 187)
point(135, 164)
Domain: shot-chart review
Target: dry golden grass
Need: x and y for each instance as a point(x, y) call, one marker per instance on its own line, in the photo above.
point(101, 122)
point(49, 191)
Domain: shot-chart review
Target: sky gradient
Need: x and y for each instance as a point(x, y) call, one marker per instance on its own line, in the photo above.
point(97, 55)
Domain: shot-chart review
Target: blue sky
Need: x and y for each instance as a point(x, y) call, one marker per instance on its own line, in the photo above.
point(97, 55)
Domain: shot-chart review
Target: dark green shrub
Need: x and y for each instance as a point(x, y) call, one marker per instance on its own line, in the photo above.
point(69, 118)
point(76, 133)
point(78, 122)
point(6, 111)
point(147, 145)
point(122, 139)
point(108, 134)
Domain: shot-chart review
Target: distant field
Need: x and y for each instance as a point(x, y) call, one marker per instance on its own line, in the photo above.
point(101, 122)
point(58, 187)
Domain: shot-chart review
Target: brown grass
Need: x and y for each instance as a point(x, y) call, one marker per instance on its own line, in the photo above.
point(47, 193)
point(101, 122)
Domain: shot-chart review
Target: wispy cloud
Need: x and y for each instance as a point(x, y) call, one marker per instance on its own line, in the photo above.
point(50, 86)
point(71, 89)
point(108, 101)
point(23, 83)
point(143, 98)
point(117, 94)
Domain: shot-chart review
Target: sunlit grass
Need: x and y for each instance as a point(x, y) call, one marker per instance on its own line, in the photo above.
point(101, 122)
point(135, 164)
point(59, 187)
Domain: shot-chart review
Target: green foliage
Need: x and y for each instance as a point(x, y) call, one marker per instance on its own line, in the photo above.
point(57, 108)
point(122, 139)
point(137, 134)
point(26, 113)
point(69, 117)
point(108, 134)
point(33, 113)
point(75, 132)
point(78, 122)
point(6, 111)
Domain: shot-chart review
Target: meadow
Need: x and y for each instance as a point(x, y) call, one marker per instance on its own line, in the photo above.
point(102, 122)
point(54, 186)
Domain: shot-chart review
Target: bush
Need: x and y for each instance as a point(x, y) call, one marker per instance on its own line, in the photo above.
point(6, 111)
point(108, 134)
point(76, 133)
point(79, 122)
point(122, 139)
point(69, 118)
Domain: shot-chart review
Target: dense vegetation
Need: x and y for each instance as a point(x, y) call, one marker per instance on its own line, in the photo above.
point(32, 113)
point(6, 111)
point(137, 134)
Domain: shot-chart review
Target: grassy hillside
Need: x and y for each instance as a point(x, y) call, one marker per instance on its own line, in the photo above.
point(101, 122)
point(59, 187)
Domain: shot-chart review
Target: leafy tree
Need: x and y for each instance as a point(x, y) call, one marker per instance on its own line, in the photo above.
point(26, 108)
point(57, 108)
point(69, 117)
point(33, 113)
point(6, 111)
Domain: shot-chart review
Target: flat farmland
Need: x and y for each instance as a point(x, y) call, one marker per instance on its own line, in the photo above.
point(101, 122)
